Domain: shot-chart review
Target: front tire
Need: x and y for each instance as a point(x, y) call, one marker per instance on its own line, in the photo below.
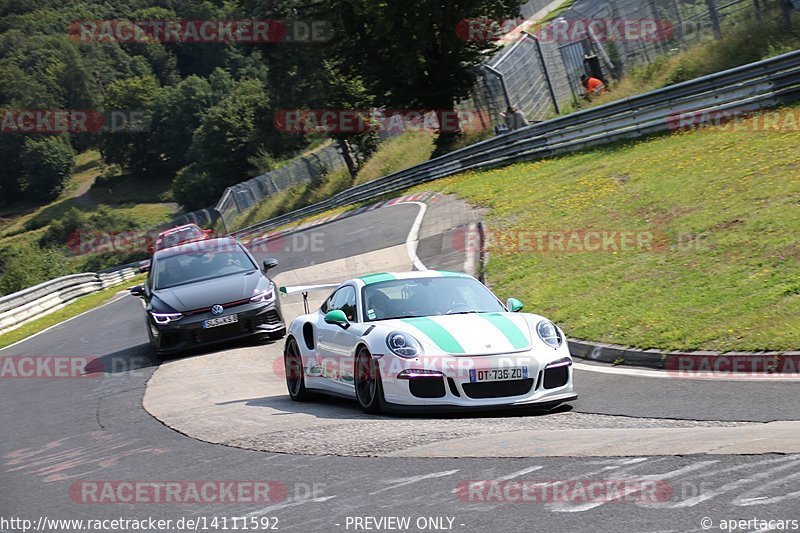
point(368, 385)
point(295, 375)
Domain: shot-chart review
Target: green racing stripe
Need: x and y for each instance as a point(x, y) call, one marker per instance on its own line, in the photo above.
point(439, 335)
point(508, 328)
point(376, 278)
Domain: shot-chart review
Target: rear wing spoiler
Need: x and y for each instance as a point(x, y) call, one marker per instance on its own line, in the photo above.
point(305, 289)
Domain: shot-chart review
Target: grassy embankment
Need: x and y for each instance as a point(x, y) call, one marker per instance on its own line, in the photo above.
point(727, 202)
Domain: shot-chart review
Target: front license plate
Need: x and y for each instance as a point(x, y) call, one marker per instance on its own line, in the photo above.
point(498, 374)
point(221, 321)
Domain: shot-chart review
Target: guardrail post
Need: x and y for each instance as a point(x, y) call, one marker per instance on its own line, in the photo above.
point(503, 85)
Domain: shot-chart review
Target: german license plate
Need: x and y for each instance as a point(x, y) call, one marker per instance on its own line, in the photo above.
point(498, 374)
point(221, 321)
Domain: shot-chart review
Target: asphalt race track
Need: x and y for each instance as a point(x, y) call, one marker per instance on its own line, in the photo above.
point(60, 433)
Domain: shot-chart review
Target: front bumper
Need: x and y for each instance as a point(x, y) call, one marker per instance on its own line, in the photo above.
point(187, 333)
point(450, 387)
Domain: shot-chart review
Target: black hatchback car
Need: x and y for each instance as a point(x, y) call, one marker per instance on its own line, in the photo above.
point(206, 292)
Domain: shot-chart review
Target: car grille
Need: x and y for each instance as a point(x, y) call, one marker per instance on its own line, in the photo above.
point(498, 389)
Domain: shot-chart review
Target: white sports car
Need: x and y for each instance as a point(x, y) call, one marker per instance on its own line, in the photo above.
point(426, 340)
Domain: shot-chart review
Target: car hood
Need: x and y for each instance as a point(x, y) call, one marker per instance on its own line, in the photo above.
point(473, 334)
point(212, 291)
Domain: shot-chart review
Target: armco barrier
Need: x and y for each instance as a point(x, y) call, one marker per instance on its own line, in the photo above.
point(752, 87)
point(32, 303)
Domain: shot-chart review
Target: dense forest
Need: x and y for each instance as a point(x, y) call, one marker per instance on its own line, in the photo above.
point(204, 110)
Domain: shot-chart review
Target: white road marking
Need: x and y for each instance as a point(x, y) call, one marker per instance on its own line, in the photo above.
point(662, 374)
point(289, 503)
point(469, 257)
point(402, 482)
point(413, 236)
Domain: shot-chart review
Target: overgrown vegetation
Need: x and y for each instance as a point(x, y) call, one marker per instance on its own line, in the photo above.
point(750, 41)
point(396, 153)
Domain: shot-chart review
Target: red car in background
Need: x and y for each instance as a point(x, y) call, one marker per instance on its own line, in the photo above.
point(174, 237)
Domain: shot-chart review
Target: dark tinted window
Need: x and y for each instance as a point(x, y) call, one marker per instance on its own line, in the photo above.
point(189, 267)
point(343, 299)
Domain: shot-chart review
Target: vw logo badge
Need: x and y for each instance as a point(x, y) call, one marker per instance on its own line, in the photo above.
point(217, 310)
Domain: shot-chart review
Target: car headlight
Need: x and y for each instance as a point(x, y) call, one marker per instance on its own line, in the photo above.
point(264, 297)
point(403, 344)
point(564, 361)
point(166, 318)
point(549, 333)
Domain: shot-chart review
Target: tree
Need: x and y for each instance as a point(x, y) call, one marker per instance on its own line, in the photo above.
point(132, 147)
point(47, 164)
point(228, 134)
point(177, 113)
point(409, 51)
point(194, 189)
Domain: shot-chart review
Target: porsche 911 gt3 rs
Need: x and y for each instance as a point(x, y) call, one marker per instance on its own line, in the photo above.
point(426, 341)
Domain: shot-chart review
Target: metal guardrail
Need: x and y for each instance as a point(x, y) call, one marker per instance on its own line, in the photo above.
point(29, 304)
point(743, 89)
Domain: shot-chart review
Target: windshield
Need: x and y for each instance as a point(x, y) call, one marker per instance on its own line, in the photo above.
point(190, 267)
point(427, 297)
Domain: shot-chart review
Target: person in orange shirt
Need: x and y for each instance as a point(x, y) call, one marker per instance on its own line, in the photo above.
point(592, 85)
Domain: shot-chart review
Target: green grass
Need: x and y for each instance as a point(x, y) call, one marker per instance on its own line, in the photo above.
point(78, 306)
point(113, 188)
point(398, 153)
point(733, 196)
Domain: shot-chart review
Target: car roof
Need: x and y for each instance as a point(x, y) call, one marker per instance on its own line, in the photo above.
point(418, 274)
point(220, 244)
point(176, 229)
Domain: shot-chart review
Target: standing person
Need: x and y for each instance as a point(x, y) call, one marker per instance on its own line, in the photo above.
point(592, 85)
point(515, 119)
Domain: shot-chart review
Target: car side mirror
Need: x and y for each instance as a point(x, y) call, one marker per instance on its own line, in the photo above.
point(337, 317)
point(137, 290)
point(269, 264)
point(514, 306)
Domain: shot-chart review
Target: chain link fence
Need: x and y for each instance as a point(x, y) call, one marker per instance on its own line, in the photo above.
point(244, 196)
point(540, 74)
